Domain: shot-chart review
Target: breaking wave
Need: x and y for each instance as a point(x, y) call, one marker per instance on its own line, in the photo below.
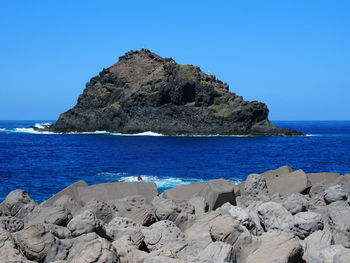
point(161, 182)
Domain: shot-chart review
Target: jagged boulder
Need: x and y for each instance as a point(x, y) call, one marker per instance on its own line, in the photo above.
point(276, 247)
point(255, 189)
point(274, 216)
point(85, 223)
point(296, 203)
point(339, 223)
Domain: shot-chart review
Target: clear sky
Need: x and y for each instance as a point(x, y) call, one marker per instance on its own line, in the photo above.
point(292, 55)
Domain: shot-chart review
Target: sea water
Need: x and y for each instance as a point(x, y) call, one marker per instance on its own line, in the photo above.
point(45, 163)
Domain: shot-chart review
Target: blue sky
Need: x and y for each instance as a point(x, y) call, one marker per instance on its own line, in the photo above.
point(292, 55)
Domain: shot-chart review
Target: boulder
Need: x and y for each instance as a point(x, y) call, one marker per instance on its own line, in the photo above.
point(306, 223)
point(69, 203)
point(71, 191)
point(199, 204)
point(8, 249)
point(276, 247)
point(277, 172)
point(274, 216)
point(85, 223)
point(161, 259)
point(37, 243)
point(102, 210)
point(296, 203)
point(321, 178)
point(51, 215)
point(184, 191)
point(120, 226)
point(287, 183)
point(164, 236)
point(314, 244)
point(339, 223)
point(335, 193)
point(199, 233)
point(137, 209)
point(334, 254)
point(128, 252)
point(217, 192)
point(219, 252)
point(118, 190)
point(18, 204)
point(255, 189)
point(237, 213)
point(91, 248)
point(226, 229)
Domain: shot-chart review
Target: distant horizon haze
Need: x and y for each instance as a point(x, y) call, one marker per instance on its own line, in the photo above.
point(293, 56)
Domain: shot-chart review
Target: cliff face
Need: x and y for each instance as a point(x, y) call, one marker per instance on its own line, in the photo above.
point(145, 92)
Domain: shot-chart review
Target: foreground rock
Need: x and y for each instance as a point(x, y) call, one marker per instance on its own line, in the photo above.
point(145, 92)
point(210, 222)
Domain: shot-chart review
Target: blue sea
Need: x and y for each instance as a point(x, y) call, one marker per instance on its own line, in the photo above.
point(43, 164)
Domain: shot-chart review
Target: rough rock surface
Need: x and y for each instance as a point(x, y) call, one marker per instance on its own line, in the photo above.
point(255, 189)
point(145, 92)
point(200, 228)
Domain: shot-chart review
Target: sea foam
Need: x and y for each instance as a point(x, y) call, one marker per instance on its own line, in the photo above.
point(161, 182)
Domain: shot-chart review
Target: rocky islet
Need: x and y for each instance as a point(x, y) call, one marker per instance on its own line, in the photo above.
point(145, 92)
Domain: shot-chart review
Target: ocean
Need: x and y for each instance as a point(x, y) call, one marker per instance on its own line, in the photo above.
point(43, 164)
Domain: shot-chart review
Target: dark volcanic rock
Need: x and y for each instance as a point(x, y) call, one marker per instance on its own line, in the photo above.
point(145, 92)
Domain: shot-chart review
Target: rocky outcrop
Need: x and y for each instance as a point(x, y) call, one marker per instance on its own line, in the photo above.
point(145, 92)
point(193, 223)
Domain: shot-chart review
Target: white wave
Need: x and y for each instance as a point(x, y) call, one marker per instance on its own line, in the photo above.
point(165, 182)
point(95, 132)
point(313, 135)
point(42, 125)
point(147, 133)
point(30, 130)
point(2, 129)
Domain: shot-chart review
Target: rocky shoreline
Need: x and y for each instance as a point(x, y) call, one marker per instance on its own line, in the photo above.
point(278, 216)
